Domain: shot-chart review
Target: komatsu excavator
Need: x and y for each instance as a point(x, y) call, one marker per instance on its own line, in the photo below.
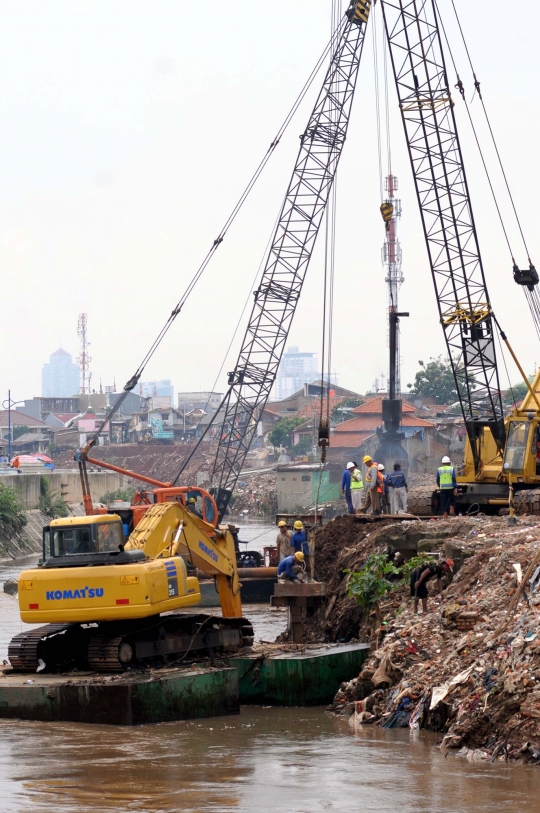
point(107, 601)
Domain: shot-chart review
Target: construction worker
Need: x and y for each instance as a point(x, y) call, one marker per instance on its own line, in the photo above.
point(447, 484)
point(382, 488)
point(421, 575)
point(192, 506)
point(357, 488)
point(283, 541)
point(299, 543)
point(346, 487)
point(398, 490)
point(372, 482)
point(291, 568)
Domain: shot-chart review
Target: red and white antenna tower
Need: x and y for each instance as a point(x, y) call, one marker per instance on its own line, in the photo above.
point(83, 359)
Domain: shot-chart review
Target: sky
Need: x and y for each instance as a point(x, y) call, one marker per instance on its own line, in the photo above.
point(128, 130)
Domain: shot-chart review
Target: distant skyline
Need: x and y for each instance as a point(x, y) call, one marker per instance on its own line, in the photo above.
point(126, 145)
point(60, 376)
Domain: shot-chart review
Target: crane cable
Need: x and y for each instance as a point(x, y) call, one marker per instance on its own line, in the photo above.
point(193, 447)
point(478, 90)
point(328, 297)
point(132, 382)
point(531, 292)
point(460, 87)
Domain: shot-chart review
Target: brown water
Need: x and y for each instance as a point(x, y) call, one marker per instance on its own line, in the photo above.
point(266, 760)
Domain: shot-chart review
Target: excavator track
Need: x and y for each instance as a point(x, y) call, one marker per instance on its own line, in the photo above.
point(117, 646)
point(527, 501)
point(176, 637)
point(28, 648)
point(420, 501)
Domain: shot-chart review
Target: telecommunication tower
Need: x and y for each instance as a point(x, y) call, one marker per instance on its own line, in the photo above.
point(83, 359)
point(390, 449)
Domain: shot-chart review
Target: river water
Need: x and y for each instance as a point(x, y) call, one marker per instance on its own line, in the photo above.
point(266, 760)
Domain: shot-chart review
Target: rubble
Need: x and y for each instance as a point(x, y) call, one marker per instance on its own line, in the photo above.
point(470, 668)
point(255, 493)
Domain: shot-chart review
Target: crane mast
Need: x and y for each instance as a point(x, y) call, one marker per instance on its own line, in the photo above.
point(288, 258)
point(427, 111)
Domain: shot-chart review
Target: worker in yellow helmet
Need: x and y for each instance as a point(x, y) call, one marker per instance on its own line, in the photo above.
point(291, 569)
point(283, 541)
point(299, 543)
point(372, 483)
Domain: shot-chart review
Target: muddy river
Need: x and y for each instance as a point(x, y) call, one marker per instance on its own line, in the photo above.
point(264, 761)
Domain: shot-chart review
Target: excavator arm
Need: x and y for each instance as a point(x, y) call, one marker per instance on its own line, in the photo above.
point(170, 529)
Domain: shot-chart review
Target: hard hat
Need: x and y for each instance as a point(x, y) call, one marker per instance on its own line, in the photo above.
point(445, 459)
point(299, 555)
point(192, 499)
point(298, 525)
point(367, 458)
point(450, 563)
point(350, 466)
point(380, 467)
point(281, 523)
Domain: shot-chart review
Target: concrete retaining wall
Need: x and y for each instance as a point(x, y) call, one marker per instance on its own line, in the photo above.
point(63, 482)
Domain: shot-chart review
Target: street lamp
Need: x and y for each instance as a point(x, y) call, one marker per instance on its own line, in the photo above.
point(9, 403)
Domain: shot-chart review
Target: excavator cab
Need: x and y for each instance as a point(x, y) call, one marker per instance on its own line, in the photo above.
point(522, 450)
point(86, 541)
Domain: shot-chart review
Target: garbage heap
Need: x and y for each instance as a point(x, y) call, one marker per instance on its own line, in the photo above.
point(470, 668)
point(345, 543)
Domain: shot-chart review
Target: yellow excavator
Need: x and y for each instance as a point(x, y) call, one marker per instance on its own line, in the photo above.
point(108, 603)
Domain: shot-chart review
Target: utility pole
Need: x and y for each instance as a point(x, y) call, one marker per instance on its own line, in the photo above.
point(83, 359)
point(390, 449)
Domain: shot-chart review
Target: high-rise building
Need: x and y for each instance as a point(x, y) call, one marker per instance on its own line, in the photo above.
point(164, 387)
point(60, 376)
point(295, 370)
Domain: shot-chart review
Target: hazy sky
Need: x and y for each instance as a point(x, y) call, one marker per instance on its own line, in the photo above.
point(128, 130)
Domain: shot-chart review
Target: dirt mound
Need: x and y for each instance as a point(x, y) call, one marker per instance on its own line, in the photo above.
point(471, 668)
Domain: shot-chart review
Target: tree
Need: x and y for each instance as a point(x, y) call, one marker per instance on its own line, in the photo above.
point(436, 379)
point(17, 431)
point(12, 514)
point(281, 434)
point(339, 412)
point(517, 392)
point(50, 503)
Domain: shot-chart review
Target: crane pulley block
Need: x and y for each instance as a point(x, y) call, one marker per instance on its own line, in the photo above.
point(527, 277)
point(359, 11)
point(387, 211)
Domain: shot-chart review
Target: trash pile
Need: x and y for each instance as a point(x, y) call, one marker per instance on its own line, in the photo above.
point(255, 495)
point(346, 542)
point(470, 668)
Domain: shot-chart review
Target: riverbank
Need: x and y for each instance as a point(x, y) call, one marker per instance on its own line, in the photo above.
point(470, 668)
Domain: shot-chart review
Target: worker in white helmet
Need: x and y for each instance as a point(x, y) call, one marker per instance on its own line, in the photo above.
point(383, 486)
point(346, 486)
point(447, 485)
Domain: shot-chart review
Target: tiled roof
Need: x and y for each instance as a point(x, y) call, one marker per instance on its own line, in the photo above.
point(374, 407)
point(348, 440)
point(364, 423)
